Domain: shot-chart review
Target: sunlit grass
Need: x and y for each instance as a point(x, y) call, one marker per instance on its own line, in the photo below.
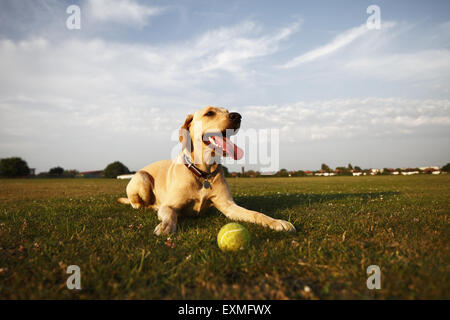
point(344, 225)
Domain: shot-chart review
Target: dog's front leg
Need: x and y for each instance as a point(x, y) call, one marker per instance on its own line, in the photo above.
point(168, 217)
point(234, 212)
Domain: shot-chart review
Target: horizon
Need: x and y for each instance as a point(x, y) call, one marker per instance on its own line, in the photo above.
point(267, 172)
point(336, 91)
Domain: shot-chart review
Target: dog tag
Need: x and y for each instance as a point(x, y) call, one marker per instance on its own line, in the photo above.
point(206, 184)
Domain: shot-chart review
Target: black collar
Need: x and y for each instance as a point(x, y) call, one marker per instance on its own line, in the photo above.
point(199, 173)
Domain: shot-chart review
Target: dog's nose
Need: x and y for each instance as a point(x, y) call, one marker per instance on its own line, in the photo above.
point(235, 117)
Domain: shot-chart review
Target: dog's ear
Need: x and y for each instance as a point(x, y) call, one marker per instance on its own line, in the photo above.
point(184, 135)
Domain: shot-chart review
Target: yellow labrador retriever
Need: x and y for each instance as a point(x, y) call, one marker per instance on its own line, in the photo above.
point(195, 181)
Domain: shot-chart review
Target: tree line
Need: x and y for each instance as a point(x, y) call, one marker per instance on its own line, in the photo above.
point(16, 167)
point(324, 168)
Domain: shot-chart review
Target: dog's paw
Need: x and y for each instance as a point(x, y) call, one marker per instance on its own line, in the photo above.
point(165, 227)
point(282, 225)
point(136, 205)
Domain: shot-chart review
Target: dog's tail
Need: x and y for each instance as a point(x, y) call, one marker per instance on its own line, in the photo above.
point(123, 201)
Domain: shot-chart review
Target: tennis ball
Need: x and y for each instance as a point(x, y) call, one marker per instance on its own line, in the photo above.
point(233, 237)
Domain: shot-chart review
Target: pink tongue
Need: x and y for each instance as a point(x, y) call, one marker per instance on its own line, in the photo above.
point(229, 147)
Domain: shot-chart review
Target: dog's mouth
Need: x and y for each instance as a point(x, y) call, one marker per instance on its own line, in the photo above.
point(220, 142)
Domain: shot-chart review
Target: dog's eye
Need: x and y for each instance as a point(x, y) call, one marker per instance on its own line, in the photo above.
point(209, 114)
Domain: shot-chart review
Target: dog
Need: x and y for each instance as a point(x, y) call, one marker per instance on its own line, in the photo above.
point(195, 180)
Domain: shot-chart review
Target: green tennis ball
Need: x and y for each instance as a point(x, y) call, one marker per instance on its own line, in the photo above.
point(233, 237)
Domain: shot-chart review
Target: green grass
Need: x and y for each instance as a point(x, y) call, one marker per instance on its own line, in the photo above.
point(344, 224)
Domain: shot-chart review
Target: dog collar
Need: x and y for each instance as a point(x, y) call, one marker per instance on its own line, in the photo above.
point(199, 173)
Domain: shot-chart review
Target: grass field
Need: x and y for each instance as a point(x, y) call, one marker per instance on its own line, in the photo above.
point(344, 224)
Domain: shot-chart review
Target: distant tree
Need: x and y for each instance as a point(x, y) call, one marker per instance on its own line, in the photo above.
point(43, 175)
point(300, 173)
point(70, 173)
point(115, 169)
point(386, 172)
point(250, 173)
point(56, 172)
point(398, 170)
point(282, 173)
point(325, 167)
point(350, 167)
point(14, 167)
point(446, 168)
point(343, 171)
point(358, 169)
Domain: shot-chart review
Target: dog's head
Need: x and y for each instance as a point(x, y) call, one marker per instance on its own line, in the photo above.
point(207, 132)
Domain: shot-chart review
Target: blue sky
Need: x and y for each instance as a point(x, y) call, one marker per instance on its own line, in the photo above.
point(118, 88)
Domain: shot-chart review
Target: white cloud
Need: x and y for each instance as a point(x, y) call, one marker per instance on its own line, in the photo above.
point(353, 119)
point(106, 100)
point(340, 41)
point(127, 12)
point(423, 65)
point(337, 43)
point(239, 44)
point(99, 75)
point(55, 95)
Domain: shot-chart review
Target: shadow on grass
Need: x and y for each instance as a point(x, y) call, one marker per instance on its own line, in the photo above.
point(270, 204)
